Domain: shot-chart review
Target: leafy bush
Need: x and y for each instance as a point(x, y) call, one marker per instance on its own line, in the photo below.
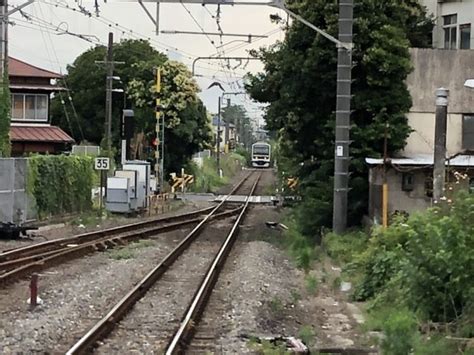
point(345, 248)
point(423, 263)
point(400, 331)
point(206, 178)
point(60, 184)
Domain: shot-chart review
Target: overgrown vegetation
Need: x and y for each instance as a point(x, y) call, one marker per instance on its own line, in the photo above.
point(129, 251)
point(416, 272)
point(206, 178)
point(60, 184)
point(299, 84)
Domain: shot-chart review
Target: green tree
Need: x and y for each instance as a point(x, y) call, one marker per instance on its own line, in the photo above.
point(237, 115)
point(299, 83)
point(187, 129)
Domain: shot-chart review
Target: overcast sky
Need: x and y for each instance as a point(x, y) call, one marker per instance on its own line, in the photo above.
point(41, 39)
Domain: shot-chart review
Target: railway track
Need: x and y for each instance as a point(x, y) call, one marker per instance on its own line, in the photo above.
point(18, 263)
point(182, 286)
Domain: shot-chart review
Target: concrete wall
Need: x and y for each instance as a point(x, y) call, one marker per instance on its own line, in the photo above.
point(434, 68)
point(421, 140)
point(463, 9)
point(399, 200)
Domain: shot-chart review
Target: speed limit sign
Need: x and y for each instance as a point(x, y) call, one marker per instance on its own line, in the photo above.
point(101, 164)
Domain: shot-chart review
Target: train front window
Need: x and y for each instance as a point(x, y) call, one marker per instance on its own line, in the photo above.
point(263, 150)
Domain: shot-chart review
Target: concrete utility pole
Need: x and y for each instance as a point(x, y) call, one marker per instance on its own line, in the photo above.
point(110, 64)
point(159, 162)
point(108, 92)
point(3, 41)
point(441, 125)
point(218, 136)
point(343, 117)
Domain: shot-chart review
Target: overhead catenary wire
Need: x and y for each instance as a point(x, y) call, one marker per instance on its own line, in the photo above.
point(223, 67)
point(128, 32)
point(64, 81)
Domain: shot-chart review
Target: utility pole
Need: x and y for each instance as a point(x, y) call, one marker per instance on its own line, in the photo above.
point(3, 39)
point(441, 124)
point(343, 117)
point(218, 137)
point(108, 91)
point(385, 185)
point(159, 162)
point(109, 64)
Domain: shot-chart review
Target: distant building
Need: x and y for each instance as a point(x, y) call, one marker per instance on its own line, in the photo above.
point(31, 132)
point(454, 20)
point(232, 132)
point(410, 174)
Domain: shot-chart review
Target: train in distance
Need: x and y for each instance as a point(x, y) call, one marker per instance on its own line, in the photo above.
point(261, 155)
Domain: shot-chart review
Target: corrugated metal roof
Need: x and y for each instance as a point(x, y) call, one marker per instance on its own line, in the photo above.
point(425, 159)
point(34, 133)
point(19, 68)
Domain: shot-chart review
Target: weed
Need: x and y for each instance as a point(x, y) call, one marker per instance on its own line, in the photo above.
point(268, 348)
point(400, 330)
point(306, 334)
point(295, 296)
point(276, 305)
point(143, 243)
point(311, 284)
point(121, 254)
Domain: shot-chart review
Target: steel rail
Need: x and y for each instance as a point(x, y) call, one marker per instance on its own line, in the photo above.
point(107, 323)
point(179, 341)
point(49, 259)
point(60, 242)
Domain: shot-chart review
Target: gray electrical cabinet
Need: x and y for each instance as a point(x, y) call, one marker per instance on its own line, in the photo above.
point(128, 190)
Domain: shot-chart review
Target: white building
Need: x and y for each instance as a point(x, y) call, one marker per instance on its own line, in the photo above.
point(454, 20)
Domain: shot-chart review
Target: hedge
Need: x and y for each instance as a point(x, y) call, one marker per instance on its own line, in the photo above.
point(60, 184)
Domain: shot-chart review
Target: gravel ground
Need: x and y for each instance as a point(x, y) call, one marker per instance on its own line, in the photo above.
point(260, 292)
point(75, 295)
point(148, 328)
point(69, 229)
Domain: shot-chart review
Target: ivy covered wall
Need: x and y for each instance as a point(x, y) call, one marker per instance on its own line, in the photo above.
point(60, 184)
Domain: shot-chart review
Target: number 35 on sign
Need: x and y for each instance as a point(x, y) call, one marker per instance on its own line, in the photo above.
point(101, 164)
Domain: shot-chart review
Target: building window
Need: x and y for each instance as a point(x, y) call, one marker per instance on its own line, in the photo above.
point(408, 180)
point(450, 31)
point(468, 132)
point(30, 107)
point(465, 36)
